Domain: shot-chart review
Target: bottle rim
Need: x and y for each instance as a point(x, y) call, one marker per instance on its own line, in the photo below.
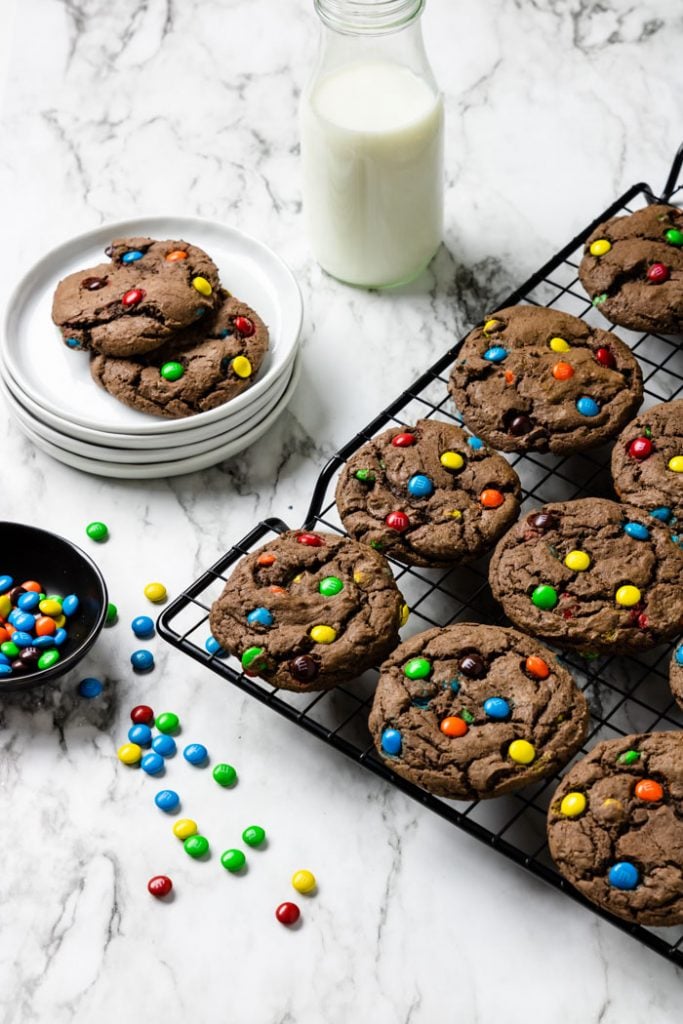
point(353, 17)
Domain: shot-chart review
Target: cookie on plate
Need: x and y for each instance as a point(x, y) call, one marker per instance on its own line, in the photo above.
point(474, 711)
point(632, 269)
point(676, 674)
point(535, 379)
point(615, 827)
point(137, 301)
point(428, 494)
point(647, 462)
point(591, 574)
point(202, 367)
point(308, 611)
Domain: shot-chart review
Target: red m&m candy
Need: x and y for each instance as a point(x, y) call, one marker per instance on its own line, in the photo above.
point(244, 325)
point(142, 715)
point(403, 440)
point(132, 297)
point(658, 273)
point(605, 358)
point(288, 913)
point(160, 885)
point(397, 521)
point(640, 448)
point(311, 539)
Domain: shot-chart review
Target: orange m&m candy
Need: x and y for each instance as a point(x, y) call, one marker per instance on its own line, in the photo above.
point(453, 726)
point(266, 559)
point(177, 254)
point(509, 377)
point(32, 585)
point(45, 626)
point(4, 635)
point(277, 590)
point(650, 790)
point(491, 498)
point(563, 371)
point(536, 667)
point(9, 628)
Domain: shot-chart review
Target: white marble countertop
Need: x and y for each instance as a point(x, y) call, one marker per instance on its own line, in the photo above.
point(113, 110)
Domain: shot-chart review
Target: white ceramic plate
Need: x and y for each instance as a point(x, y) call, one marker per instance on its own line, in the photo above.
point(166, 469)
point(148, 456)
point(191, 435)
point(59, 379)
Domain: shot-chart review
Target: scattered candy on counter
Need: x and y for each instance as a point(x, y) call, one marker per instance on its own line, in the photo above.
point(142, 713)
point(167, 800)
point(185, 827)
point(155, 592)
point(254, 835)
point(112, 614)
point(233, 860)
point(225, 775)
point(196, 846)
point(164, 745)
point(90, 687)
point(31, 626)
point(213, 647)
point(143, 627)
point(140, 734)
point(160, 886)
point(195, 753)
point(129, 753)
point(97, 531)
point(152, 763)
point(142, 661)
point(167, 722)
point(304, 881)
point(288, 913)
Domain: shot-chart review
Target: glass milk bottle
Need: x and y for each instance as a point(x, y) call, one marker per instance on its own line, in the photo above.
point(372, 144)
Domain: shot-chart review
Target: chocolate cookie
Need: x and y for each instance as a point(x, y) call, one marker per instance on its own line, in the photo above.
point(676, 674)
point(475, 711)
point(147, 292)
point(535, 379)
point(202, 367)
point(615, 827)
point(591, 574)
point(309, 611)
point(632, 269)
point(428, 494)
point(647, 463)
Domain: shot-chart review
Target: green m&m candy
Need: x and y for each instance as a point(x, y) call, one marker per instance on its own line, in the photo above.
point(9, 649)
point(112, 613)
point(167, 722)
point(97, 531)
point(225, 775)
point(330, 586)
point(544, 597)
point(417, 668)
point(48, 659)
point(172, 371)
point(629, 757)
point(196, 846)
point(674, 236)
point(252, 660)
point(253, 835)
point(366, 476)
point(233, 860)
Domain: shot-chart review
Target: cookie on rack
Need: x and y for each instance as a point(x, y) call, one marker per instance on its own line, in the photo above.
point(148, 291)
point(615, 827)
point(309, 610)
point(676, 674)
point(535, 379)
point(647, 462)
point(473, 711)
point(632, 269)
point(428, 495)
point(591, 574)
point(202, 367)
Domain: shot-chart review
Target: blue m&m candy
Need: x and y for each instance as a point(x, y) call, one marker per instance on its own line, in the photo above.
point(260, 617)
point(212, 646)
point(70, 604)
point(637, 531)
point(5, 583)
point(167, 800)
point(623, 875)
point(5, 670)
point(391, 742)
point(420, 486)
point(164, 745)
point(28, 601)
point(152, 763)
point(23, 621)
point(89, 687)
point(475, 443)
point(663, 513)
point(44, 641)
point(587, 406)
point(132, 256)
point(22, 639)
point(195, 753)
point(495, 354)
point(142, 626)
point(679, 655)
point(140, 734)
point(73, 342)
point(59, 637)
point(142, 661)
point(496, 708)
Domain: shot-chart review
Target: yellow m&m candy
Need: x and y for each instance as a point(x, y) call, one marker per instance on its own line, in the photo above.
point(323, 634)
point(50, 607)
point(405, 614)
point(184, 828)
point(578, 561)
point(155, 592)
point(242, 366)
point(201, 285)
point(455, 513)
point(676, 464)
point(452, 460)
point(522, 751)
point(304, 881)
point(600, 247)
point(627, 596)
point(573, 805)
point(490, 325)
point(559, 345)
point(129, 753)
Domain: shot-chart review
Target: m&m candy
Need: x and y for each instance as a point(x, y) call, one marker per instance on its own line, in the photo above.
point(675, 464)
point(623, 875)
point(658, 273)
point(475, 443)
point(90, 687)
point(391, 742)
point(140, 734)
point(195, 753)
point(495, 354)
point(536, 667)
point(674, 237)
point(212, 646)
point(544, 597)
point(452, 460)
point(600, 247)
point(587, 406)
point(260, 617)
point(185, 827)
point(97, 531)
point(417, 668)
point(176, 255)
point(152, 763)
point(627, 596)
point(129, 753)
point(142, 661)
point(142, 713)
point(253, 835)
point(172, 371)
point(496, 708)
point(323, 634)
point(244, 326)
point(491, 498)
point(521, 751)
point(573, 805)
point(453, 726)
point(233, 860)
point(143, 627)
point(201, 285)
point(160, 886)
point(559, 345)
point(304, 881)
point(420, 486)
point(196, 846)
point(398, 521)
point(577, 561)
point(167, 722)
point(132, 297)
point(563, 371)
point(403, 440)
point(225, 775)
point(167, 800)
point(330, 586)
point(155, 592)
point(164, 745)
point(640, 448)
point(637, 531)
point(604, 357)
point(287, 913)
point(649, 790)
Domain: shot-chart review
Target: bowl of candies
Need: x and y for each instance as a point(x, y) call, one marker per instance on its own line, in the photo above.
point(53, 604)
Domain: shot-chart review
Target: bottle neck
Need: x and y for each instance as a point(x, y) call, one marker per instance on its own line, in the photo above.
point(368, 17)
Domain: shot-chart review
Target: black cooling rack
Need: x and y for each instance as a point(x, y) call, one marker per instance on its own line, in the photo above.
point(626, 694)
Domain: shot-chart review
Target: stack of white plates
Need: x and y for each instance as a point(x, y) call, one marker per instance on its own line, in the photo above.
point(64, 412)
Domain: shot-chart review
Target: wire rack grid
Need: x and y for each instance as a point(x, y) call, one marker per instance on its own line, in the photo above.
point(626, 694)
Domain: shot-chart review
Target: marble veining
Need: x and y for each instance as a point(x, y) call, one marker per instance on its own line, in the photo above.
point(141, 107)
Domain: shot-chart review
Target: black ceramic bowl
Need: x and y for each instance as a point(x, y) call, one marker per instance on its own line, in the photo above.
point(27, 553)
